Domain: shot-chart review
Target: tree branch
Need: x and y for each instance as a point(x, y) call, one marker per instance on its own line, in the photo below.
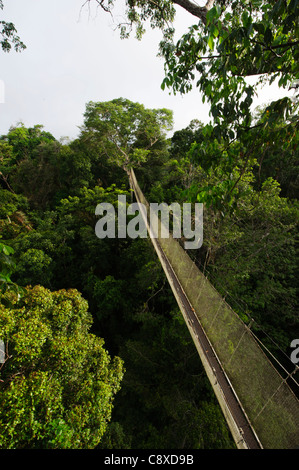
point(195, 10)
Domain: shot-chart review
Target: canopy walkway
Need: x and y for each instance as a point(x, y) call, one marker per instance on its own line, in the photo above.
point(260, 408)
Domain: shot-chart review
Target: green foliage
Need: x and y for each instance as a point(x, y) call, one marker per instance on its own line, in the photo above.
point(59, 388)
point(231, 41)
point(178, 406)
point(8, 36)
point(140, 14)
point(233, 44)
point(33, 267)
point(28, 163)
point(58, 382)
point(127, 132)
point(7, 267)
point(53, 393)
point(250, 253)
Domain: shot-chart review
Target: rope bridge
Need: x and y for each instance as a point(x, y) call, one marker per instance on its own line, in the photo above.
point(259, 406)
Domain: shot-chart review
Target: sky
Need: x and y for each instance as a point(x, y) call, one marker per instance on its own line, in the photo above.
point(74, 55)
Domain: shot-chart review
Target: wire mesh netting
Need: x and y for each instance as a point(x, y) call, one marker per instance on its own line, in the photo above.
point(270, 404)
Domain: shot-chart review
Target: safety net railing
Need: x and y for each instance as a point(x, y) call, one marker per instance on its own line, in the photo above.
point(269, 403)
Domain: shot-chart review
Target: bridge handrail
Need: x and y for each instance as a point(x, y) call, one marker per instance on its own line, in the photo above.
point(269, 402)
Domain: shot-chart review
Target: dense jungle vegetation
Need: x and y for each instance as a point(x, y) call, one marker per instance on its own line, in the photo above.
point(97, 352)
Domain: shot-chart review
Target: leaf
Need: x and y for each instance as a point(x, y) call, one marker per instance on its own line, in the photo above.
point(259, 27)
point(211, 14)
point(268, 36)
point(211, 42)
point(8, 250)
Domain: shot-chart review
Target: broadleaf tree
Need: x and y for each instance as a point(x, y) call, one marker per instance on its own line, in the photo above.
point(57, 381)
point(128, 135)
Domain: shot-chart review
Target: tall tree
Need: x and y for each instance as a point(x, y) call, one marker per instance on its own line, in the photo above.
point(127, 133)
point(57, 381)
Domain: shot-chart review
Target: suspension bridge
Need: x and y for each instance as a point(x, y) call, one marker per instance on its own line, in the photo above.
point(260, 408)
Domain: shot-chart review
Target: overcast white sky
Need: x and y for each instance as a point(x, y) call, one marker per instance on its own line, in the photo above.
point(75, 56)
